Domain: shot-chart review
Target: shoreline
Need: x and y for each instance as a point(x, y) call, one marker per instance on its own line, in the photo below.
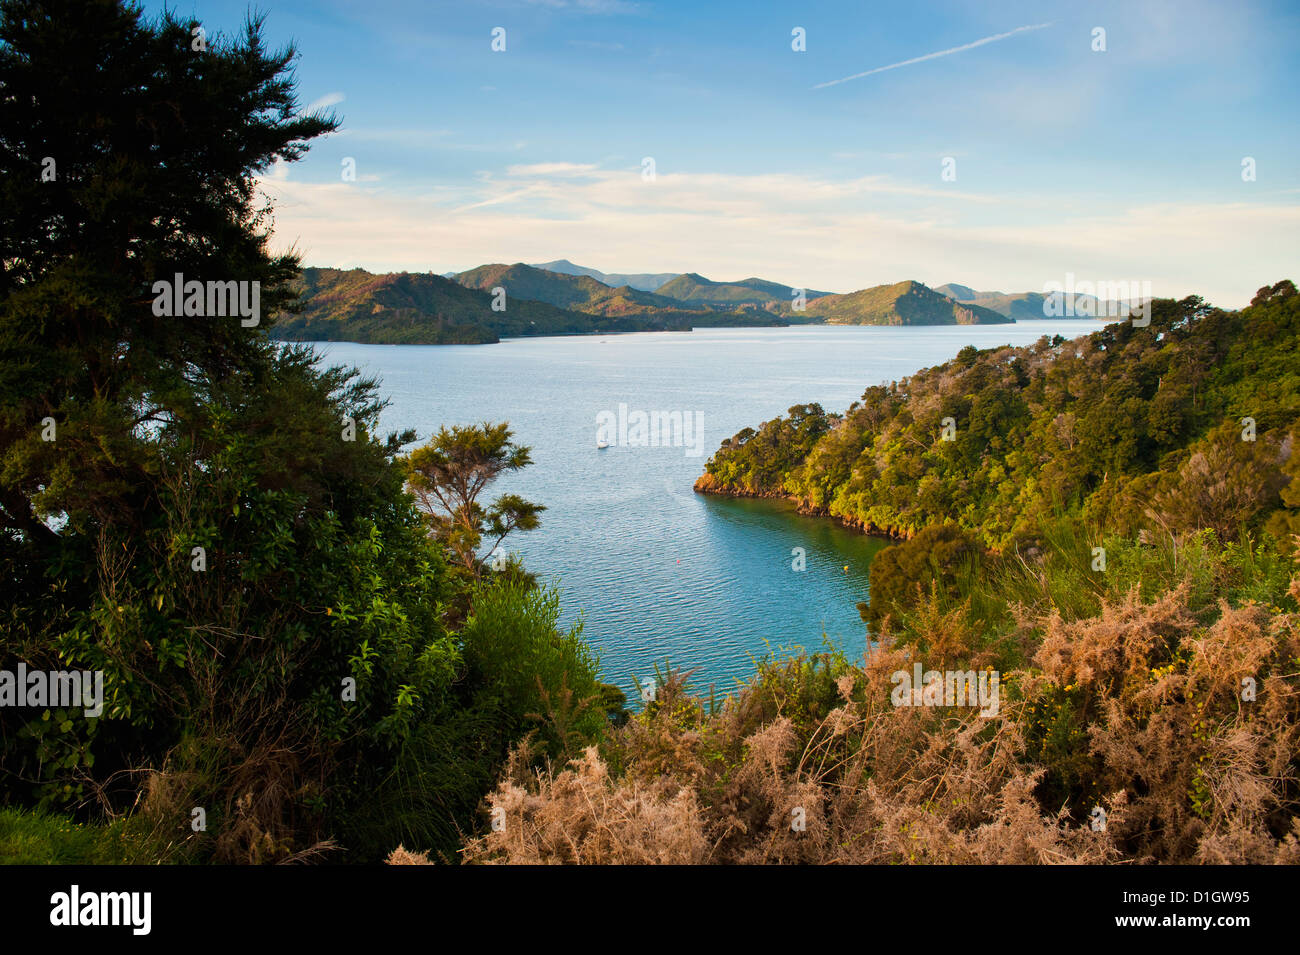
point(707, 484)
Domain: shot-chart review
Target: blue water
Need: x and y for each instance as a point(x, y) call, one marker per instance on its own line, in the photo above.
point(657, 572)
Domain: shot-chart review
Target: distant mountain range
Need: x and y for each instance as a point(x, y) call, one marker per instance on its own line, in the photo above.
point(1033, 306)
point(692, 287)
point(644, 281)
point(580, 292)
point(456, 308)
point(414, 308)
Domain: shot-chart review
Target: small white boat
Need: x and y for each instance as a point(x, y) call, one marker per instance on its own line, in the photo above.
point(602, 445)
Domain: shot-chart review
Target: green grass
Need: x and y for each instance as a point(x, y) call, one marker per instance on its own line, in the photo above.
point(1062, 580)
point(35, 837)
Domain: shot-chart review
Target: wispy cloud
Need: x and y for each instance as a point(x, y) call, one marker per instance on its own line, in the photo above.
point(792, 228)
point(497, 200)
point(553, 169)
point(326, 101)
point(935, 56)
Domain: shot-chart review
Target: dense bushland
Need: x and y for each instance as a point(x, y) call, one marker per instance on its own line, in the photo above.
point(1136, 428)
point(295, 645)
point(291, 668)
point(1104, 533)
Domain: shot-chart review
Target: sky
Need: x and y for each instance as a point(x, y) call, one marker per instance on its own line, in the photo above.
point(990, 144)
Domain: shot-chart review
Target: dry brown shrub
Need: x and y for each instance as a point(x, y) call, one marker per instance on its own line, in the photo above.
point(252, 786)
point(580, 815)
point(1214, 776)
point(1117, 648)
point(402, 856)
point(1192, 771)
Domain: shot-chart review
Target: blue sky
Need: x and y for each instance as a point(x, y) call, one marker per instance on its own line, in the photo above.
point(1114, 166)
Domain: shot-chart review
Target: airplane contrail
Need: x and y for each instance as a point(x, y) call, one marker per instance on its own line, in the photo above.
point(931, 56)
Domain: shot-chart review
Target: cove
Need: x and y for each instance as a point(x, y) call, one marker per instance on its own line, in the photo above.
point(657, 572)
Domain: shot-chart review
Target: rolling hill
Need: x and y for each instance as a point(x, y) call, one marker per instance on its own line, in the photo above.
point(642, 281)
point(415, 308)
point(904, 303)
point(577, 292)
point(1033, 306)
point(692, 287)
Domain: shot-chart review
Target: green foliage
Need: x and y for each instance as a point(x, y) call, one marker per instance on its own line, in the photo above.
point(216, 525)
point(34, 837)
point(448, 474)
point(1057, 739)
point(524, 666)
point(938, 558)
point(904, 303)
point(1132, 428)
point(987, 600)
point(756, 462)
point(801, 688)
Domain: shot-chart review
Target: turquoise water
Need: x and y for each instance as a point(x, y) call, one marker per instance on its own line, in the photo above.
point(657, 572)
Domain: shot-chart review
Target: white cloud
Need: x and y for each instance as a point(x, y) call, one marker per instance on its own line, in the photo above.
point(552, 169)
point(326, 101)
point(806, 231)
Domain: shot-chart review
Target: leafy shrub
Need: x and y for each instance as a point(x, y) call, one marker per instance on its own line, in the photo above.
point(528, 669)
point(939, 556)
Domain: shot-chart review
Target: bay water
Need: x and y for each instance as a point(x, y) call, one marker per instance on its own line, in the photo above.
point(657, 573)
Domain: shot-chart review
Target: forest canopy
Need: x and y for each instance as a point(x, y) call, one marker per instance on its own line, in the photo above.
point(1183, 424)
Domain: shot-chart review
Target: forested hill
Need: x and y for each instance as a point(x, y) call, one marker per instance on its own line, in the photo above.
point(580, 293)
point(903, 303)
point(424, 309)
point(1133, 428)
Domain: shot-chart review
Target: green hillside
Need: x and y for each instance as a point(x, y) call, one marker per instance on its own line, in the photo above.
point(695, 288)
point(580, 293)
point(962, 293)
point(645, 281)
point(424, 309)
point(1136, 428)
point(904, 303)
point(1033, 306)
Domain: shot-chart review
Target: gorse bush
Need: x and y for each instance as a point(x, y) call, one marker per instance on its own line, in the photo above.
point(1127, 736)
point(986, 602)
